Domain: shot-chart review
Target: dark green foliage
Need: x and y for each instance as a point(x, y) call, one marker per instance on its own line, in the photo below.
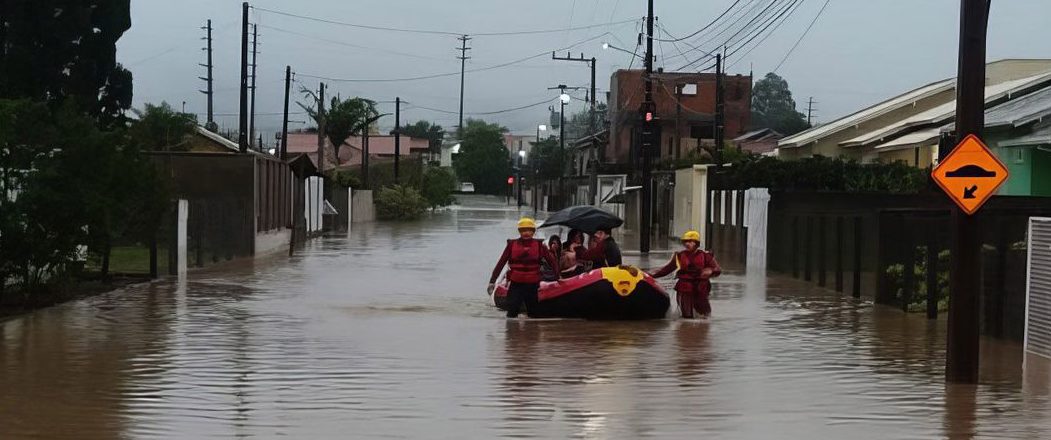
point(161, 128)
point(773, 106)
point(918, 302)
point(76, 186)
point(399, 202)
point(65, 50)
point(434, 134)
point(343, 119)
point(381, 174)
point(346, 179)
point(548, 158)
point(438, 186)
point(820, 173)
point(483, 159)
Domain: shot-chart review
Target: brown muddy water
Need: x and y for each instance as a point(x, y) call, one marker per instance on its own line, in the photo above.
point(387, 333)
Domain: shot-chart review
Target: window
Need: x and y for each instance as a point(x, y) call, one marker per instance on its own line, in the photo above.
point(706, 131)
point(689, 89)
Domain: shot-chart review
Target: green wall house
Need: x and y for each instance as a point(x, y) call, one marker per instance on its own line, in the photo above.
point(1028, 159)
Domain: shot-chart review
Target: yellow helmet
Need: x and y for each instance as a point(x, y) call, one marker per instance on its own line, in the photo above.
point(692, 236)
point(526, 223)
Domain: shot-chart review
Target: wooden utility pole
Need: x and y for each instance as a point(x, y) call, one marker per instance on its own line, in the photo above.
point(397, 137)
point(242, 126)
point(962, 341)
point(209, 91)
point(650, 139)
point(284, 121)
point(810, 111)
point(255, 54)
point(720, 111)
point(321, 129)
point(463, 70)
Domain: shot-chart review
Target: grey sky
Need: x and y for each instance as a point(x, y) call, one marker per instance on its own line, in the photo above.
point(859, 52)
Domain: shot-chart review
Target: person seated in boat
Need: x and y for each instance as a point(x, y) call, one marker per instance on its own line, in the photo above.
point(696, 268)
point(603, 251)
point(548, 273)
point(523, 256)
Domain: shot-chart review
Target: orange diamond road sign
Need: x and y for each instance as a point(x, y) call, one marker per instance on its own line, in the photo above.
point(970, 174)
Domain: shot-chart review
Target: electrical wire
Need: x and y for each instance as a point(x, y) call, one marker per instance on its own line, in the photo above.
point(496, 112)
point(779, 17)
point(432, 31)
point(727, 26)
point(442, 75)
point(793, 8)
point(673, 39)
point(341, 43)
point(801, 37)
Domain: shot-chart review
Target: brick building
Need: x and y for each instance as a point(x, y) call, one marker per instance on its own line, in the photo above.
point(684, 126)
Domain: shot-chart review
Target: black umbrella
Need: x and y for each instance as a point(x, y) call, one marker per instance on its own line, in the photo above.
point(585, 218)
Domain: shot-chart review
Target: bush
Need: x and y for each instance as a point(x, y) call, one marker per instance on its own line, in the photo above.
point(346, 179)
point(381, 173)
point(918, 302)
point(438, 186)
point(399, 202)
point(820, 173)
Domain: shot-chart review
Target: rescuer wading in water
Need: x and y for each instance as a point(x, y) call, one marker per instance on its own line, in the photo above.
point(695, 269)
point(523, 255)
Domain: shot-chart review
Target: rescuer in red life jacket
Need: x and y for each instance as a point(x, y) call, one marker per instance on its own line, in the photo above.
point(695, 268)
point(523, 255)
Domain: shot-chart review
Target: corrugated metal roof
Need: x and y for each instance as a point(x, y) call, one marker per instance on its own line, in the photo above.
point(1041, 136)
point(1021, 111)
point(919, 138)
point(816, 133)
point(947, 111)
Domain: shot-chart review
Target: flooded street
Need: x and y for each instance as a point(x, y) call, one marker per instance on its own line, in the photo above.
point(387, 332)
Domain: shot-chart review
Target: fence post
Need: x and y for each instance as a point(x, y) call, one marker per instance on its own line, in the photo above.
point(908, 269)
point(153, 256)
point(932, 275)
point(822, 248)
point(857, 256)
point(742, 232)
point(809, 246)
point(795, 247)
point(839, 254)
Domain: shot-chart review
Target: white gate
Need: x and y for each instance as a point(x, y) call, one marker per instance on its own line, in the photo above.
point(756, 202)
point(1038, 289)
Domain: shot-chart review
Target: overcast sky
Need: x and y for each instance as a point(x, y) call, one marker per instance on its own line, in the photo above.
point(858, 52)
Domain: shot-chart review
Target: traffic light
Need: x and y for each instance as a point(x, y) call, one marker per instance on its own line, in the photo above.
point(511, 180)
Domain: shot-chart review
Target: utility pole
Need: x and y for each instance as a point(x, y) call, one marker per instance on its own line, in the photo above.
point(962, 341)
point(810, 111)
point(321, 129)
point(208, 91)
point(678, 120)
point(397, 137)
point(592, 125)
point(284, 121)
point(255, 54)
point(563, 100)
point(463, 69)
point(650, 138)
point(720, 111)
point(242, 125)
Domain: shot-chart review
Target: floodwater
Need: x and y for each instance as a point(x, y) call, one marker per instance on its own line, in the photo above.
point(387, 333)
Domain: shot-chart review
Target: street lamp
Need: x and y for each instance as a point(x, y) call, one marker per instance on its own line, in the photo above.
point(607, 46)
point(565, 98)
point(518, 174)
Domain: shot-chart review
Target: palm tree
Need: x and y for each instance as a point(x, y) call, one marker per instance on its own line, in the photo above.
point(343, 119)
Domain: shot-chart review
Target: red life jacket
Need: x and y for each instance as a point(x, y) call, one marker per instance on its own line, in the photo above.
point(524, 264)
point(690, 265)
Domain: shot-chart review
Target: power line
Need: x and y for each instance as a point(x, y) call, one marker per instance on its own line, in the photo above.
point(447, 74)
point(496, 112)
point(432, 31)
point(674, 40)
point(800, 40)
point(729, 26)
point(793, 10)
point(778, 17)
point(342, 43)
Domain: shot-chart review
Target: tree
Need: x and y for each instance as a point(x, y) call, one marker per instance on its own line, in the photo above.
point(343, 119)
point(774, 108)
point(578, 124)
point(438, 186)
point(62, 50)
point(434, 134)
point(161, 128)
point(483, 159)
point(547, 158)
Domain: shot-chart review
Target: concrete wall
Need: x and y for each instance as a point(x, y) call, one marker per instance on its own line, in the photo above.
point(272, 241)
point(691, 186)
point(314, 202)
point(362, 208)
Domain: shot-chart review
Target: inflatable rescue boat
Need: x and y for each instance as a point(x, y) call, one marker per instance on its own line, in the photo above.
point(611, 293)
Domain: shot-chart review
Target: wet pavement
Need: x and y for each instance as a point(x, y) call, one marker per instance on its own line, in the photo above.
point(387, 332)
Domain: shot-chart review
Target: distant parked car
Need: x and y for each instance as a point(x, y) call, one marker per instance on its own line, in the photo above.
point(467, 187)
